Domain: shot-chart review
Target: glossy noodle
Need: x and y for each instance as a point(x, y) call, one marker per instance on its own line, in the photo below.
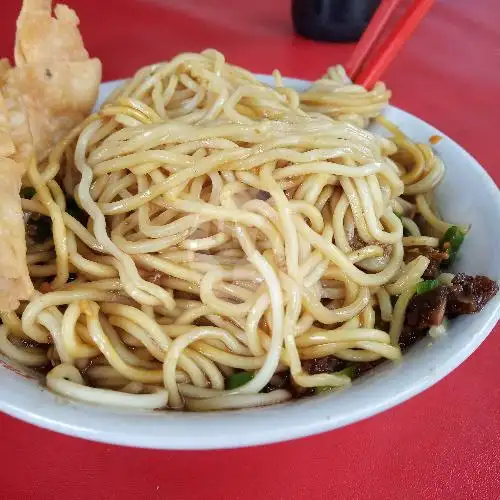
point(221, 228)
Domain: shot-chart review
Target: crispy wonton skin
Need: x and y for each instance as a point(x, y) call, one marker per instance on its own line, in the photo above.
point(15, 282)
point(53, 97)
point(54, 84)
point(6, 145)
point(41, 37)
point(52, 88)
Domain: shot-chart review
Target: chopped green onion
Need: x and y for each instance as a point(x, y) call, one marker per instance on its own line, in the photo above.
point(28, 192)
point(451, 242)
point(350, 372)
point(322, 388)
point(238, 379)
point(426, 286)
point(398, 215)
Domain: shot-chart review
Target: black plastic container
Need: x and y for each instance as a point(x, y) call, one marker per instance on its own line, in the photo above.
point(332, 20)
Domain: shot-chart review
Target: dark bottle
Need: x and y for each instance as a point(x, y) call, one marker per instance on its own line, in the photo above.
point(332, 20)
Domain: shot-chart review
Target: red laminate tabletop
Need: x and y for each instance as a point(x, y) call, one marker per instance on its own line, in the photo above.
point(442, 444)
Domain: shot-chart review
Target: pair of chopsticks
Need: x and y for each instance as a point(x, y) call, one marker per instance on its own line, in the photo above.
point(371, 57)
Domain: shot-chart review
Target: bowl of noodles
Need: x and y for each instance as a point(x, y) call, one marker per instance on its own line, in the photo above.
point(214, 259)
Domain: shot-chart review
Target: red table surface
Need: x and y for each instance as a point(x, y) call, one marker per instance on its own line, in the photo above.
point(442, 444)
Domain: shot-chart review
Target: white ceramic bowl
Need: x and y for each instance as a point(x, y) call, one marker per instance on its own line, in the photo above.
point(467, 195)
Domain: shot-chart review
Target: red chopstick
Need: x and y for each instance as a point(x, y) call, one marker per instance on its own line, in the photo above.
point(371, 35)
point(367, 65)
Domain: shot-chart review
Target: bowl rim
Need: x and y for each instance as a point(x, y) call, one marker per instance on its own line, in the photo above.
point(217, 430)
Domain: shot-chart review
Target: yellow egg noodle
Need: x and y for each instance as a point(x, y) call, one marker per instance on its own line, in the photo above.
point(227, 225)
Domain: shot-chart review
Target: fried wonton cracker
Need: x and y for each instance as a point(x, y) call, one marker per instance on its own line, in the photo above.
point(51, 90)
point(15, 282)
point(6, 145)
point(14, 118)
point(4, 67)
point(41, 37)
point(54, 85)
point(52, 97)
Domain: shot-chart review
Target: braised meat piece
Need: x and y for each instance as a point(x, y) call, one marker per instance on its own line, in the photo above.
point(428, 309)
point(328, 364)
point(465, 295)
point(435, 255)
point(409, 336)
point(469, 294)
